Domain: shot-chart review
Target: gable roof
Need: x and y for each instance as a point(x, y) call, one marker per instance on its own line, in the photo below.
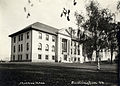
point(37, 26)
point(64, 32)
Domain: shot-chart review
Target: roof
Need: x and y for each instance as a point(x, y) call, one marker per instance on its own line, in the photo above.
point(37, 26)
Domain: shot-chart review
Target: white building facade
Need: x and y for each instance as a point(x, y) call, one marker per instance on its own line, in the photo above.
point(42, 43)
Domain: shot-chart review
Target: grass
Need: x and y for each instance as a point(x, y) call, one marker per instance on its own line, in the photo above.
point(25, 74)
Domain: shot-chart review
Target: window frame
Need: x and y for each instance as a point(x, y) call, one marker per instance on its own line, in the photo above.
point(53, 57)
point(39, 56)
point(46, 57)
point(13, 58)
point(21, 37)
point(53, 48)
point(27, 46)
point(27, 56)
point(40, 46)
point(27, 35)
point(18, 48)
point(47, 47)
point(64, 45)
point(47, 37)
point(53, 38)
point(40, 35)
point(78, 59)
point(21, 47)
point(65, 57)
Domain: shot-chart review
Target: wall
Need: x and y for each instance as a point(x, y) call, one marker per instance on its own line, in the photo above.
point(76, 56)
point(43, 41)
point(23, 42)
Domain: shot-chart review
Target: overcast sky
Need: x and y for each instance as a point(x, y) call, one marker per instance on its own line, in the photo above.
point(13, 18)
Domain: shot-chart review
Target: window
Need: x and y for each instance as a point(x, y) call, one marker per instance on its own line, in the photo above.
point(75, 59)
point(27, 46)
point(46, 57)
point(64, 45)
point(53, 38)
point(47, 47)
point(78, 59)
point(13, 57)
point(53, 48)
point(39, 46)
point(78, 46)
point(74, 51)
point(14, 39)
point(21, 47)
point(39, 56)
point(27, 35)
point(71, 51)
point(78, 51)
point(40, 35)
point(20, 57)
point(53, 57)
point(21, 37)
point(27, 56)
point(71, 43)
point(47, 37)
point(74, 43)
point(14, 49)
point(65, 57)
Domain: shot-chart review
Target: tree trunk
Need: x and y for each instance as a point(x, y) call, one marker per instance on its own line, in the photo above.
point(98, 60)
point(111, 53)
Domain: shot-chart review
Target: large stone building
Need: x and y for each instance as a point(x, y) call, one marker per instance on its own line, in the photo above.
point(42, 43)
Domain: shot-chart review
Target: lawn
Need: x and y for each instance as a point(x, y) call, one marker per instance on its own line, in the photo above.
point(36, 74)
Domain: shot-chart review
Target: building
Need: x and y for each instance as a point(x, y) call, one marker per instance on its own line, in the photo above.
point(42, 43)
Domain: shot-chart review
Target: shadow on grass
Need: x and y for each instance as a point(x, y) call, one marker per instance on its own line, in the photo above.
point(32, 75)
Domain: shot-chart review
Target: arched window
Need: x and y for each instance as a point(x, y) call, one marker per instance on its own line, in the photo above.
point(53, 38)
point(47, 37)
point(39, 46)
point(47, 47)
point(53, 48)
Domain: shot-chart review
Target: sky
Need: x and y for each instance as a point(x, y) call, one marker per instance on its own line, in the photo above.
point(13, 18)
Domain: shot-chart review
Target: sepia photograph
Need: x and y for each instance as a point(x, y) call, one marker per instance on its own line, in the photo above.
point(59, 42)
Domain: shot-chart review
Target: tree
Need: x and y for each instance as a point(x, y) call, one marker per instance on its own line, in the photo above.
point(98, 24)
point(112, 39)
